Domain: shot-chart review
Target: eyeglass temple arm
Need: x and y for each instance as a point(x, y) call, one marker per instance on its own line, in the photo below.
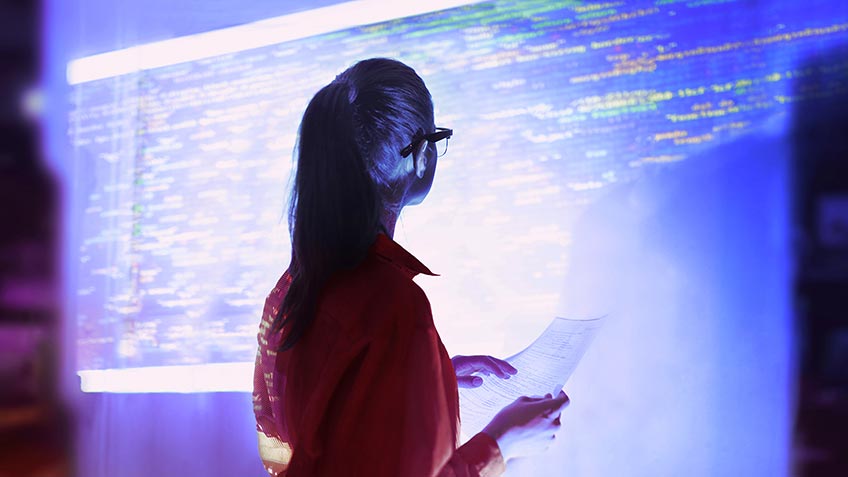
point(441, 133)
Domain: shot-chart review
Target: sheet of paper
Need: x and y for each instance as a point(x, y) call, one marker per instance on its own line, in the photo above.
point(543, 367)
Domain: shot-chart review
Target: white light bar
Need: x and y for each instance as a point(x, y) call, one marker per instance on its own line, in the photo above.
point(223, 377)
point(251, 35)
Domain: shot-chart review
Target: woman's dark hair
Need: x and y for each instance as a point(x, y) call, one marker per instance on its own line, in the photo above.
point(349, 170)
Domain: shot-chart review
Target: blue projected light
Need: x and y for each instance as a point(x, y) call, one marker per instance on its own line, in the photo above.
point(184, 166)
point(183, 152)
point(627, 159)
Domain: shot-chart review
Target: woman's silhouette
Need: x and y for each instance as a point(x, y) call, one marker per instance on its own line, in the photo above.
point(351, 376)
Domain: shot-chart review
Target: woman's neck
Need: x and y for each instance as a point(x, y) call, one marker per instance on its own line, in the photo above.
point(389, 220)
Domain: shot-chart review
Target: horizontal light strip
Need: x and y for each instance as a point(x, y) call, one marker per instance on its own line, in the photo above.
point(220, 377)
point(251, 35)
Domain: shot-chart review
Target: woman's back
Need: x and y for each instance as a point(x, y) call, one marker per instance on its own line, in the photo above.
point(370, 386)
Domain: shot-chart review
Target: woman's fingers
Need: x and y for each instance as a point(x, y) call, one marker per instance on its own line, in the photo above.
point(505, 368)
point(547, 405)
point(485, 365)
point(553, 406)
point(561, 407)
point(464, 365)
point(469, 381)
point(565, 401)
point(561, 401)
point(490, 365)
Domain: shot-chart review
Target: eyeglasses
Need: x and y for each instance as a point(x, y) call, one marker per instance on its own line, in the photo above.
point(432, 138)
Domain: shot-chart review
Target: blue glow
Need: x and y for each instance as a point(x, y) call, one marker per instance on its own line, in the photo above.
point(627, 158)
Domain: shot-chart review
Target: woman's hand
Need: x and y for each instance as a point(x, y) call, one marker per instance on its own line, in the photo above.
point(528, 425)
point(465, 366)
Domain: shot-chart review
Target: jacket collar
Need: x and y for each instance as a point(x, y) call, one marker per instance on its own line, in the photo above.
point(389, 250)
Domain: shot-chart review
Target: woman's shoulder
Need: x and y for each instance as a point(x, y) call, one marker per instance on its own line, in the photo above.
point(376, 295)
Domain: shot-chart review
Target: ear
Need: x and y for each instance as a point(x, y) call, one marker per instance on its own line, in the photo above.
point(420, 159)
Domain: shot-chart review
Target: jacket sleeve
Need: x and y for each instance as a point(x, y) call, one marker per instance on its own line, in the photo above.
point(389, 414)
point(430, 429)
point(274, 452)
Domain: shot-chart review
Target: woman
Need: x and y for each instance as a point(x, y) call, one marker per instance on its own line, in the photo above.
point(351, 376)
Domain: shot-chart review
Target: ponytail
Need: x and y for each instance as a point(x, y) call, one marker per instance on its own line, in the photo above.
point(349, 171)
point(334, 212)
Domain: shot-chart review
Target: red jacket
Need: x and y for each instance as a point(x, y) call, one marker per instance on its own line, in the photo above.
point(369, 389)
